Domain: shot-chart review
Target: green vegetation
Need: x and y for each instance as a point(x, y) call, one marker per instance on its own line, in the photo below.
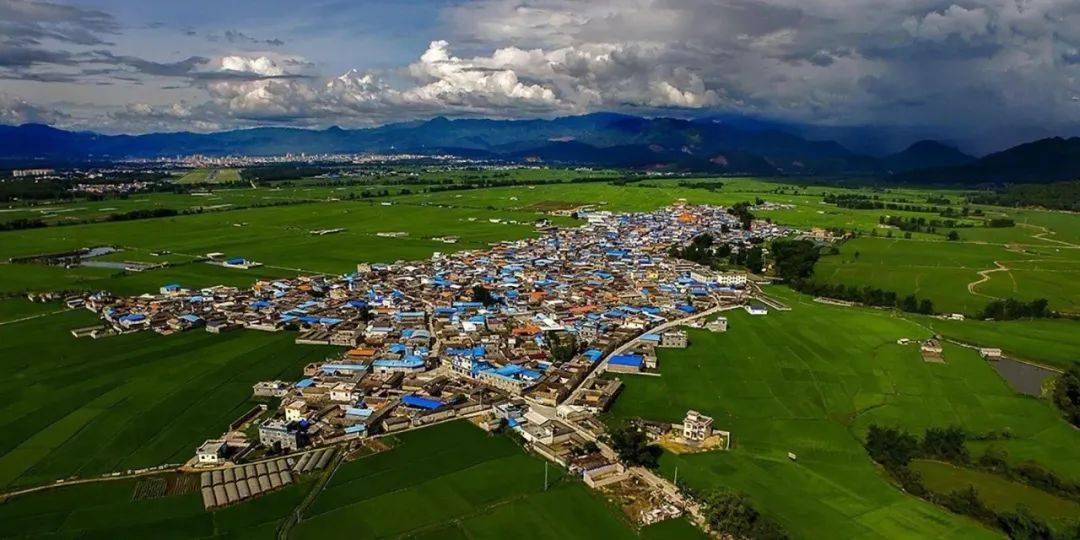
point(1060, 195)
point(735, 515)
point(1050, 341)
point(811, 381)
point(633, 447)
point(107, 510)
point(278, 237)
point(1067, 394)
point(454, 481)
point(210, 176)
point(1000, 494)
point(959, 277)
point(86, 407)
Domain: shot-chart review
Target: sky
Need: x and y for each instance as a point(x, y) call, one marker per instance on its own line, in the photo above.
point(985, 74)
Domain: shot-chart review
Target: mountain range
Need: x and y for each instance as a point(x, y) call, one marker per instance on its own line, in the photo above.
point(600, 139)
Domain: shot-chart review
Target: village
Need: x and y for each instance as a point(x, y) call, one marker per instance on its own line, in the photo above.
point(530, 336)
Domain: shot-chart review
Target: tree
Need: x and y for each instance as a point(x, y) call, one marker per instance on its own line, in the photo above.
point(755, 259)
point(795, 259)
point(953, 236)
point(1022, 525)
point(634, 448)
point(946, 444)
point(730, 513)
point(926, 307)
point(995, 459)
point(909, 304)
point(891, 447)
point(966, 501)
point(1067, 394)
point(563, 346)
point(483, 295)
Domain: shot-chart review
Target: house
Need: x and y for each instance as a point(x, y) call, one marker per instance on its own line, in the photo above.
point(673, 339)
point(344, 393)
point(755, 308)
point(731, 279)
point(281, 434)
point(270, 389)
point(295, 410)
point(626, 363)
point(212, 452)
point(697, 426)
point(719, 324)
point(511, 378)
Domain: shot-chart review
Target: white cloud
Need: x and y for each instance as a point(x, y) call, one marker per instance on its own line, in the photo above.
point(970, 67)
point(260, 65)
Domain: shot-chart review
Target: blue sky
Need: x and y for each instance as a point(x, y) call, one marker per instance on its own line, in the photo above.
point(984, 73)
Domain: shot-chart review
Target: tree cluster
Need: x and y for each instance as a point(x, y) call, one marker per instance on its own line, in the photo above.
point(563, 346)
point(146, 213)
point(869, 296)
point(1058, 196)
point(21, 224)
point(895, 448)
point(1009, 309)
point(483, 295)
point(633, 447)
point(866, 202)
point(1067, 394)
point(733, 515)
point(742, 211)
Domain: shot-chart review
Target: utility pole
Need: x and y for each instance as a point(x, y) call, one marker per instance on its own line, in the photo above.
point(676, 482)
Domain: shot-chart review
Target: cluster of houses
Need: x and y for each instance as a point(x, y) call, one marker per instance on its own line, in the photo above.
point(470, 334)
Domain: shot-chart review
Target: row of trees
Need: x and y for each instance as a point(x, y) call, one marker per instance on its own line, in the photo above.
point(21, 224)
point(864, 202)
point(1059, 195)
point(1010, 308)
point(894, 449)
point(794, 262)
point(919, 224)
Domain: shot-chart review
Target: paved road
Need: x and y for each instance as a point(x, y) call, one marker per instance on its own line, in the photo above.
point(630, 343)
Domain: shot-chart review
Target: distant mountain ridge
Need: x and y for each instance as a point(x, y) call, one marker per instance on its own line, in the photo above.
point(1054, 159)
point(600, 139)
point(926, 154)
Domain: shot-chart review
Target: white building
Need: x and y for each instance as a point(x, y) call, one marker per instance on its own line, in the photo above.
point(696, 426)
point(295, 411)
point(731, 279)
point(211, 452)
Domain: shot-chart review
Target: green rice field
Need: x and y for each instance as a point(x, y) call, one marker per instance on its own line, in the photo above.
point(455, 481)
point(107, 510)
point(86, 407)
point(810, 381)
point(210, 176)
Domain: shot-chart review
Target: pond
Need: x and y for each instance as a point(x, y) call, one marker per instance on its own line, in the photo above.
point(1022, 377)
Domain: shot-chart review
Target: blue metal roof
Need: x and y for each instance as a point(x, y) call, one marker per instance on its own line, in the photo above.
point(634, 360)
point(413, 400)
